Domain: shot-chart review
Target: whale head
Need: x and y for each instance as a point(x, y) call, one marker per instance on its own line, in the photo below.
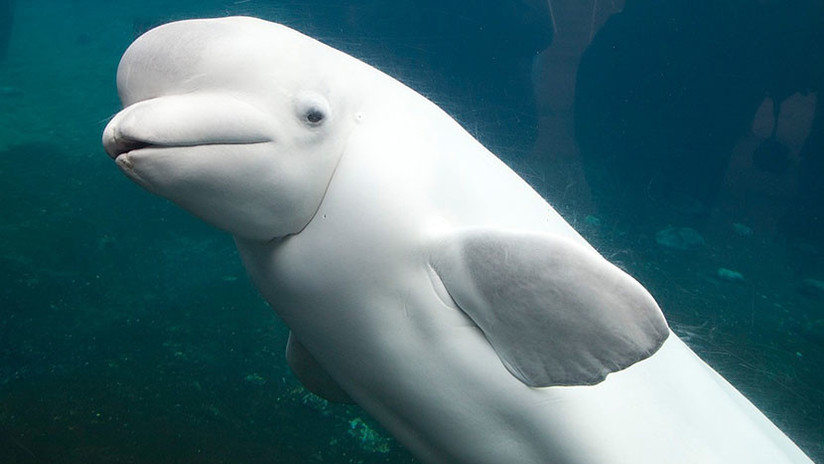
point(239, 121)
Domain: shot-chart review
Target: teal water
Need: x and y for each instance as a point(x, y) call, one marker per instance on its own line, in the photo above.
point(130, 333)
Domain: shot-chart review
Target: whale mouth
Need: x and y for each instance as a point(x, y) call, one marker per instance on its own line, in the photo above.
point(189, 120)
point(118, 144)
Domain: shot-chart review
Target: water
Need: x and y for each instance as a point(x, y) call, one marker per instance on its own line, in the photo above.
point(130, 333)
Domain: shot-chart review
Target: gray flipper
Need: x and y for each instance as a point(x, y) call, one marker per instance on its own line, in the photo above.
point(311, 374)
point(555, 311)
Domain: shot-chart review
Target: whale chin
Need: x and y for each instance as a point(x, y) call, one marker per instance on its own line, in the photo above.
point(234, 186)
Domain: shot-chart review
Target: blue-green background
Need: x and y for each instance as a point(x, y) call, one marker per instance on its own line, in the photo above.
point(130, 333)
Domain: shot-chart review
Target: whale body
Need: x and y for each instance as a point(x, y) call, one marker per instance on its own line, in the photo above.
point(420, 276)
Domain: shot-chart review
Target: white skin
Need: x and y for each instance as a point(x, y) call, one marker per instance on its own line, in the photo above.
point(343, 188)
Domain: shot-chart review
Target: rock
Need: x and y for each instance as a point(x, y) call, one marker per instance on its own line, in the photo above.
point(593, 221)
point(688, 205)
point(6, 91)
point(812, 288)
point(815, 330)
point(255, 379)
point(368, 438)
point(679, 238)
point(741, 229)
point(729, 275)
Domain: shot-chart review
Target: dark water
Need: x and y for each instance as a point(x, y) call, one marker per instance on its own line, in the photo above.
point(129, 332)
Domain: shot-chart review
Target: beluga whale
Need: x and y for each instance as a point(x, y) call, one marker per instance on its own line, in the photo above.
point(420, 277)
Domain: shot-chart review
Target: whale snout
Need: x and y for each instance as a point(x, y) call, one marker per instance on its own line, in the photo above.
point(117, 144)
point(187, 121)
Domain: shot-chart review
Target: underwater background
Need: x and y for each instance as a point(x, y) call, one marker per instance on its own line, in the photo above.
point(683, 138)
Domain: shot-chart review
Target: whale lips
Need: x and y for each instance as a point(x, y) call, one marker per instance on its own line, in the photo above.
point(187, 120)
point(116, 143)
point(116, 146)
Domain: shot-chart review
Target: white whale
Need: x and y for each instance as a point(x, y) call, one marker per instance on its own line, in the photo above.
point(419, 275)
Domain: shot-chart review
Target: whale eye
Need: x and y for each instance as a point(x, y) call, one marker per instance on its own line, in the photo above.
point(312, 109)
point(314, 116)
